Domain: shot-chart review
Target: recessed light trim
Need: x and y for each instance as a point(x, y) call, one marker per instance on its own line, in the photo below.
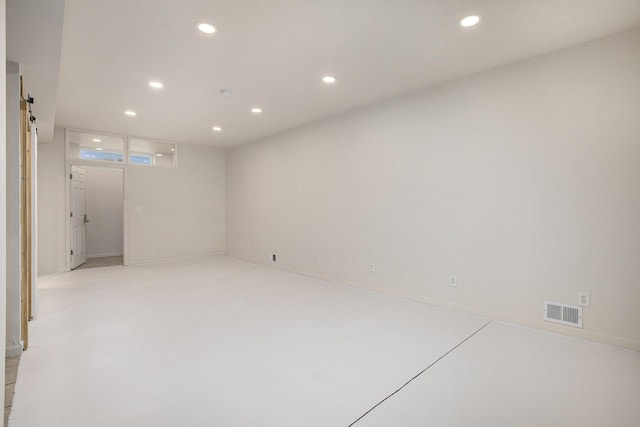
point(206, 28)
point(225, 92)
point(99, 148)
point(130, 113)
point(158, 154)
point(329, 79)
point(95, 140)
point(470, 21)
point(156, 84)
point(217, 128)
point(256, 110)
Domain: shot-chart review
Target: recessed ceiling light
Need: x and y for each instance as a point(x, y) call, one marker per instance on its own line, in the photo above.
point(256, 110)
point(130, 113)
point(329, 79)
point(470, 21)
point(158, 154)
point(173, 149)
point(225, 92)
point(95, 140)
point(99, 148)
point(155, 85)
point(217, 128)
point(206, 28)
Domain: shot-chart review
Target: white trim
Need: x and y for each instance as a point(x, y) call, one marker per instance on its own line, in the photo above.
point(172, 259)
point(125, 221)
point(598, 337)
point(95, 164)
point(104, 255)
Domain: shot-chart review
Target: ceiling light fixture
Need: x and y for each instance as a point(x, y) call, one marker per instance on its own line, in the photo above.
point(470, 21)
point(329, 79)
point(173, 149)
point(99, 148)
point(95, 140)
point(158, 154)
point(225, 92)
point(217, 128)
point(256, 110)
point(156, 85)
point(130, 113)
point(206, 28)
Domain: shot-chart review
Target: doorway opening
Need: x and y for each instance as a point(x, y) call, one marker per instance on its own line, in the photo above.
point(96, 216)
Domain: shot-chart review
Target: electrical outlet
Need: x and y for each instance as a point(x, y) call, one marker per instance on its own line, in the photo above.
point(372, 268)
point(316, 259)
point(273, 257)
point(452, 281)
point(584, 299)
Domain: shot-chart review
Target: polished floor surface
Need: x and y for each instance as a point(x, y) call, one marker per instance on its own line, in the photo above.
point(222, 342)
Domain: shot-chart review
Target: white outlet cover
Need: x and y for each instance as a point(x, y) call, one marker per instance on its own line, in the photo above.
point(452, 281)
point(584, 299)
point(372, 267)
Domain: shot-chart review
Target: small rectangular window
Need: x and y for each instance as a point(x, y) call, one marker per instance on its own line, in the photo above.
point(95, 147)
point(151, 153)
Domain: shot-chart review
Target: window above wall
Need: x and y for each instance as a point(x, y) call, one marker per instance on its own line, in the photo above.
point(151, 153)
point(93, 147)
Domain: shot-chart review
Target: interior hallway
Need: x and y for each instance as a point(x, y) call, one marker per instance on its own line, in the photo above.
point(219, 341)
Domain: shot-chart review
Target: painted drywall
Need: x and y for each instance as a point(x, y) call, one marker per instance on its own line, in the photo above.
point(3, 183)
point(170, 212)
point(104, 199)
point(51, 205)
point(177, 212)
point(13, 344)
point(521, 181)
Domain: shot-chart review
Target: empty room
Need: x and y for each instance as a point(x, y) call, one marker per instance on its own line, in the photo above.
point(321, 213)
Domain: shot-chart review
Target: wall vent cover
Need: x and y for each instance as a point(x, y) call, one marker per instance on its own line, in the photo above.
point(562, 313)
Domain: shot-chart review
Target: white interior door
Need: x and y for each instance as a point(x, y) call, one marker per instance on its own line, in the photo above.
point(78, 217)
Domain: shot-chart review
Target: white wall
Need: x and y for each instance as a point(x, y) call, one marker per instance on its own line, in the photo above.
point(104, 196)
point(177, 212)
point(522, 181)
point(3, 260)
point(51, 205)
point(182, 210)
point(13, 344)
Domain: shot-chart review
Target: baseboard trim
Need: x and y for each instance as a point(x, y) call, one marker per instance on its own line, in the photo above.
point(540, 325)
point(172, 259)
point(13, 350)
point(104, 255)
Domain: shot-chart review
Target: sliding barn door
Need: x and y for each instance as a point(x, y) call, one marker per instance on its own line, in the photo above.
point(26, 216)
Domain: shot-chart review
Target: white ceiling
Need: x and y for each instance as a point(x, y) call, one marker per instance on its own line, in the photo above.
point(273, 53)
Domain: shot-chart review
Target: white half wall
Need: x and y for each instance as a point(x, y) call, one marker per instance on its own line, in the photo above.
point(3, 183)
point(523, 182)
point(177, 212)
point(104, 198)
point(13, 343)
point(51, 205)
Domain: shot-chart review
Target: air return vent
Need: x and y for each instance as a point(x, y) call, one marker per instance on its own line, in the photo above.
point(561, 313)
